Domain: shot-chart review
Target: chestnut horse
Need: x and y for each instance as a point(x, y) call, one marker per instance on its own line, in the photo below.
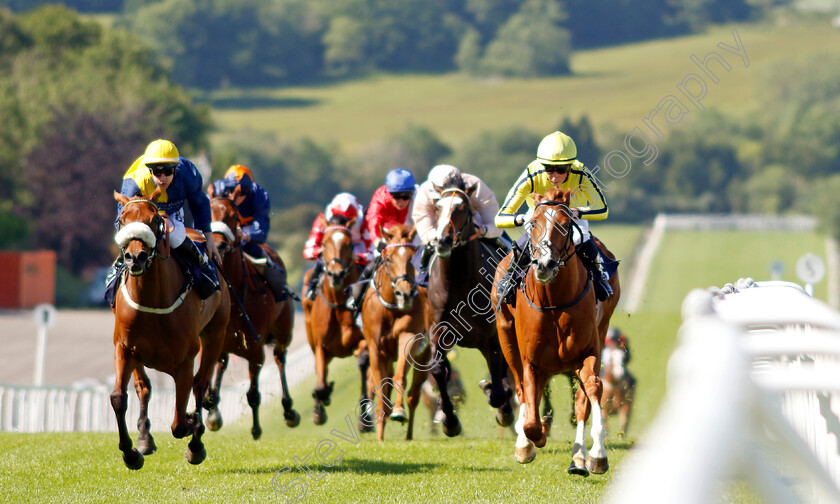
point(619, 386)
point(461, 312)
point(161, 323)
point(330, 326)
point(271, 320)
point(556, 327)
point(394, 310)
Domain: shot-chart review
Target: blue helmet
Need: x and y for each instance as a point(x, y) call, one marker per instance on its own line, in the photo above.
point(399, 180)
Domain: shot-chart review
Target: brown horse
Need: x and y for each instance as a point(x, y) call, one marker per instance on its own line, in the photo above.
point(461, 313)
point(330, 326)
point(161, 323)
point(271, 320)
point(394, 310)
point(556, 327)
point(619, 386)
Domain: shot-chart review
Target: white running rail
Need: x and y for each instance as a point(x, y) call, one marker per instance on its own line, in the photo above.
point(56, 409)
point(753, 395)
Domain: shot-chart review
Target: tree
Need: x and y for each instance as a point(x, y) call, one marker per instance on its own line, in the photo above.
point(498, 157)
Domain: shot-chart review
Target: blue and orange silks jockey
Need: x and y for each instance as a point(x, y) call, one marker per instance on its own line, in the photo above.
point(161, 166)
point(556, 166)
point(254, 207)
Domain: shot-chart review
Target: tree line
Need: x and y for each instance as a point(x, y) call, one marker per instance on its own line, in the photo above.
point(211, 44)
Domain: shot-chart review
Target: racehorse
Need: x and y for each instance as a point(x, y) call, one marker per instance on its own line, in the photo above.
point(394, 310)
point(267, 321)
point(459, 279)
point(556, 326)
point(330, 325)
point(161, 323)
point(619, 386)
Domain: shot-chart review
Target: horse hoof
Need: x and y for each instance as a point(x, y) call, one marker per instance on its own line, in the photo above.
point(363, 427)
point(577, 470)
point(399, 415)
point(214, 420)
point(292, 419)
point(505, 416)
point(525, 454)
point(146, 447)
point(256, 432)
point(452, 430)
point(133, 459)
point(597, 465)
point(319, 416)
point(196, 457)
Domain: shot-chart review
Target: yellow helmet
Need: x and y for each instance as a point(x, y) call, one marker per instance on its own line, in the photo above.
point(161, 151)
point(557, 148)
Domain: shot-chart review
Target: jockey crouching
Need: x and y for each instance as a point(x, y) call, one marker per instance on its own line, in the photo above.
point(482, 201)
point(254, 207)
point(343, 208)
point(556, 166)
point(161, 166)
point(389, 206)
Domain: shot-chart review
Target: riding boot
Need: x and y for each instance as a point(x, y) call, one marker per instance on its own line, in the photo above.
point(275, 277)
point(506, 287)
point(206, 281)
point(422, 277)
point(112, 280)
point(358, 289)
point(591, 258)
point(312, 286)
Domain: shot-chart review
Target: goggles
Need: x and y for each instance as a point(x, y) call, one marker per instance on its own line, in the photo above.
point(165, 169)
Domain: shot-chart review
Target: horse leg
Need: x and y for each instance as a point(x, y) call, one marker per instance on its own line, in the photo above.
point(578, 465)
point(211, 402)
point(441, 371)
point(626, 404)
point(254, 399)
point(145, 441)
point(363, 359)
point(548, 409)
point(498, 391)
point(591, 384)
point(418, 378)
point(289, 414)
point(533, 386)
point(132, 458)
point(399, 414)
point(183, 377)
point(321, 393)
point(380, 393)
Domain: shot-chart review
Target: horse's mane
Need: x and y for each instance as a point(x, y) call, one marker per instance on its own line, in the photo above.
point(556, 194)
point(454, 181)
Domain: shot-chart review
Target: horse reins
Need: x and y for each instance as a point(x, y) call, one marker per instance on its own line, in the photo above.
point(345, 268)
point(393, 281)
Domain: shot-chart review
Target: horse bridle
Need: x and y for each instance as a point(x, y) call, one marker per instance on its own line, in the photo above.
point(566, 250)
point(459, 234)
point(160, 231)
point(345, 267)
point(393, 281)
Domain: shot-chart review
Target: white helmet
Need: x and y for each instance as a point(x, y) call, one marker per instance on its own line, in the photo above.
point(441, 173)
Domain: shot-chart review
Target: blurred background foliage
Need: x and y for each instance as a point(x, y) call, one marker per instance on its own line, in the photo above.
point(82, 95)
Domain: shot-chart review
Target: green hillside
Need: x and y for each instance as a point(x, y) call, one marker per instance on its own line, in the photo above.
point(617, 85)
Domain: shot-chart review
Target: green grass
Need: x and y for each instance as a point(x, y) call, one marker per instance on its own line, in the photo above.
point(616, 85)
point(474, 467)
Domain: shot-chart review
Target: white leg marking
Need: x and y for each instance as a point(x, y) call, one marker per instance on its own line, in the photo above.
point(598, 433)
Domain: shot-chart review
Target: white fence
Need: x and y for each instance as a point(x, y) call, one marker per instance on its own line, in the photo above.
point(753, 396)
point(53, 409)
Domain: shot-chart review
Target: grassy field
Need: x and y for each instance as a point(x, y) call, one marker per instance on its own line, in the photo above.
point(616, 85)
point(475, 467)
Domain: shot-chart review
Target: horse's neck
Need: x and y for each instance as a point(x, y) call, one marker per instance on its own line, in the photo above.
point(567, 285)
point(383, 286)
point(235, 267)
point(159, 285)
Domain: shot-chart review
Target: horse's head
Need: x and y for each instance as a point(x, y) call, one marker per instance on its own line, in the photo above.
point(396, 261)
point(141, 228)
point(455, 225)
point(550, 232)
point(225, 224)
point(337, 250)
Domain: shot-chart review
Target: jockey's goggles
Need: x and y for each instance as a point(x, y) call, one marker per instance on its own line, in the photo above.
point(402, 195)
point(165, 169)
point(558, 168)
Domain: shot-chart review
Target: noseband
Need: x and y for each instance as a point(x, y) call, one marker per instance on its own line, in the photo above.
point(392, 280)
point(564, 251)
point(127, 234)
point(345, 267)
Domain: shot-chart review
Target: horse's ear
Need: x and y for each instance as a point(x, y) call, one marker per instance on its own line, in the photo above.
point(211, 191)
point(412, 233)
point(322, 221)
point(565, 197)
point(471, 190)
point(537, 198)
point(350, 223)
point(154, 196)
point(121, 198)
point(385, 233)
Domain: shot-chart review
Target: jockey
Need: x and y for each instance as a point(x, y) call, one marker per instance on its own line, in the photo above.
point(340, 211)
point(482, 200)
point(254, 206)
point(556, 166)
point(162, 167)
point(617, 339)
point(389, 206)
